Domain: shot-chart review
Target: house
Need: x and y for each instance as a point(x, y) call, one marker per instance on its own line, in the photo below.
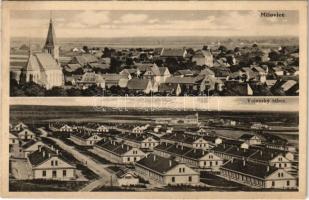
point(90, 79)
point(140, 85)
point(66, 128)
point(184, 73)
point(210, 83)
point(102, 129)
point(177, 53)
point(202, 57)
point(273, 158)
point(169, 89)
point(20, 126)
point(126, 177)
point(144, 141)
point(84, 59)
point(26, 134)
point(158, 74)
point(166, 171)
point(186, 83)
point(131, 72)
point(15, 150)
point(47, 163)
point(187, 140)
point(30, 147)
point(257, 175)
point(196, 158)
point(120, 80)
point(236, 88)
point(85, 138)
point(137, 129)
point(250, 139)
point(118, 152)
point(206, 72)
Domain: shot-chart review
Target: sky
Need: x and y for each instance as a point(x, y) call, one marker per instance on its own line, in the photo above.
point(113, 23)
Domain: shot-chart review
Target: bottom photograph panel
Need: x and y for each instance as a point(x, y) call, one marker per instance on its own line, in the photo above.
point(85, 148)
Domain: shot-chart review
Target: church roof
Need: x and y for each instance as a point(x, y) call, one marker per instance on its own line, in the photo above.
point(51, 37)
point(47, 61)
point(33, 64)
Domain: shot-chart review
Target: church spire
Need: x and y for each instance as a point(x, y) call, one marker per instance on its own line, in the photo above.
point(51, 37)
point(50, 43)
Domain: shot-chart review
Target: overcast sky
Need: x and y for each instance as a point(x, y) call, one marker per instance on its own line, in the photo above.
point(152, 23)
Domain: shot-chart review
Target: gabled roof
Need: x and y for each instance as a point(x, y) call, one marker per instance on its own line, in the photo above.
point(114, 146)
point(114, 77)
point(157, 163)
point(207, 72)
point(246, 136)
point(173, 52)
point(32, 64)
point(72, 67)
point(250, 168)
point(28, 144)
point(39, 156)
point(91, 77)
point(168, 87)
point(138, 84)
point(46, 61)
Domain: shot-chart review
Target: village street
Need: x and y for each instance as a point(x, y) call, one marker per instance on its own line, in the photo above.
point(97, 168)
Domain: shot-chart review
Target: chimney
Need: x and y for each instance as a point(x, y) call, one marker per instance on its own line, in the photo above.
point(49, 155)
point(122, 146)
point(43, 153)
point(181, 147)
point(244, 162)
point(170, 162)
point(267, 169)
point(203, 152)
point(261, 152)
point(57, 151)
point(232, 160)
point(154, 157)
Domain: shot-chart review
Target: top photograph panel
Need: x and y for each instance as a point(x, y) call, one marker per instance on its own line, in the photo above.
point(154, 53)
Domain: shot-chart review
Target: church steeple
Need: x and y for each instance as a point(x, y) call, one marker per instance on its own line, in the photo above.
point(50, 43)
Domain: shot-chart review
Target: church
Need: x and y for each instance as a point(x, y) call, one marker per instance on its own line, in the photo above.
point(43, 67)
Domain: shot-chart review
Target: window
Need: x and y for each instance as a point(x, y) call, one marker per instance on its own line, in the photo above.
point(54, 173)
point(179, 170)
point(210, 163)
point(52, 163)
point(287, 183)
point(183, 169)
point(128, 158)
point(173, 179)
point(190, 178)
point(64, 172)
point(216, 162)
point(285, 165)
point(134, 159)
point(273, 183)
point(43, 173)
point(279, 174)
point(279, 165)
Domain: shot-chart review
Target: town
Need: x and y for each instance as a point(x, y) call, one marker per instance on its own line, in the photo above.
point(164, 153)
point(214, 69)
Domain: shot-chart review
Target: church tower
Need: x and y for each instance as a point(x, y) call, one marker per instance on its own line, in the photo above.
point(50, 44)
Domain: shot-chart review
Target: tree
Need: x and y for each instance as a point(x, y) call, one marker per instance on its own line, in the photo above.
point(74, 92)
point(33, 89)
point(93, 90)
point(115, 65)
point(86, 49)
point(56, 91)
point(222, 48)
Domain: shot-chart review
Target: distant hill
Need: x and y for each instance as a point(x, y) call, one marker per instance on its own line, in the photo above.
point(172, 41)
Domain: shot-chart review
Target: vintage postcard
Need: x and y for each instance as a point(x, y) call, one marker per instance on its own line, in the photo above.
point(154, 99)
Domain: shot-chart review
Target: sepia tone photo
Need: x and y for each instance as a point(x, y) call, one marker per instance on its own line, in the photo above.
point(86, 148)
point(154, 99)
point(154, 53)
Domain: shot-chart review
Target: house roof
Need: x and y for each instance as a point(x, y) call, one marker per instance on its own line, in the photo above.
point(114, 146)
point(168, 87)
point(157, 163)
point(91, 77)
point(86, 58)
point(181, 80)
point(172, 52)
point(250, 168)
point(288, 85)
point(184, 72)
point(207, 72)
point(246, 136)
point(39, 156)
point(32, 64)
point(138, 84)
point(28, 144)
point(114, 77)
point(100, 65)
point(72, 67)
